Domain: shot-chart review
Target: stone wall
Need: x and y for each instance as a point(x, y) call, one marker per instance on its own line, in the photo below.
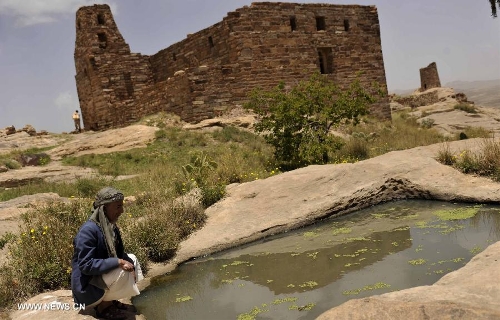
point(415, 101)
point(429, 77)
point(213, 70)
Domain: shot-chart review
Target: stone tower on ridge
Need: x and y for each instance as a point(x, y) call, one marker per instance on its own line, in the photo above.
point(429, 77)
point(213, 70)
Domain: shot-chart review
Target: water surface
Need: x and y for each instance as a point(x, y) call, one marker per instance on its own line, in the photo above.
point(301, 274)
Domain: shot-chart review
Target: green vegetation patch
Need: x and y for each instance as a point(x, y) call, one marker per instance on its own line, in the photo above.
point(417, 262)
point(252, 315)
point(183, 299)
point(283, 300)
point(342, 230)
point(457, 214)
point(378, 285)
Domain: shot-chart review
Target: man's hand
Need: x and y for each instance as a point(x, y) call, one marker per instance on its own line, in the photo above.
point(125, 265)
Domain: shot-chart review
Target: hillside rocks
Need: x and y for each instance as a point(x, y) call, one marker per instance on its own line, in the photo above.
point(135, 136)
point(436, 106)
point(53, 172)
point(260, 208)
point(22, 140)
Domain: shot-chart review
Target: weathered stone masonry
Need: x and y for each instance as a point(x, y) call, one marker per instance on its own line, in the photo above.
point(213, 70)
point(429, 77)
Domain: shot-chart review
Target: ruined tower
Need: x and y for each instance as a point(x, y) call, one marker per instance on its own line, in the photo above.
point(429, 77)
point(106, 71)
point(213, 70)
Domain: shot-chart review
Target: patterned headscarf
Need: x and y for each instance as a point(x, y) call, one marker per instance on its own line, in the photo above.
point(104, 196)
point(107, 195)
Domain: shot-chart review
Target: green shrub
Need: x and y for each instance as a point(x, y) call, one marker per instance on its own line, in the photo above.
point(356, 149)
point(231, 133)
point(445, 156)
point(212, 193)
point(158, 233)
point(485, 162)
point(476, 132)
point(160, 134)
point(6, 238)
point(469, 108)
point(88, 188)
point(40, 259)
point(467, 162)
point(12, 164)
point(297, 121)
point(427, 123)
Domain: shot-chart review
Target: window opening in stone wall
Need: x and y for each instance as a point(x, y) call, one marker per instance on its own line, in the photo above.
point(174, 56)
point(211, 42)
point(78, 25)
point(92, 62)
point(346, 25)
point(325, 57)
point(320, 23)
point(103, 40)
point(129, 86)
point(293, 23)
point(100, 19)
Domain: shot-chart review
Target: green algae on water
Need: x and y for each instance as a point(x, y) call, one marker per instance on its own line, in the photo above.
point(457, 214)
point(341, 230)
point(183, 299)
point(417, 262)
point(378, 285)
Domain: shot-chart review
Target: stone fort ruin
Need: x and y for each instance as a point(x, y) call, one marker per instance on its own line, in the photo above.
point(429, 77)
point(213, 70)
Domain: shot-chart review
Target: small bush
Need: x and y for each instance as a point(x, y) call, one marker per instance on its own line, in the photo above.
point(476, 132)
point(486, 162)
point(12, 164)
point(88, 188)
point(212, 194)
point(40, 259)
point(467, 162)
point(465, 107)
point(427, 123)
point(445, 156)
point(234, 134)
point(160, 134)
point(6, 238)
point(158, 234)
point(355, 148)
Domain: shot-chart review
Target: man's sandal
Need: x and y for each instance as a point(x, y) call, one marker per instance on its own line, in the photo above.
point(110, 313)
point(119, 305)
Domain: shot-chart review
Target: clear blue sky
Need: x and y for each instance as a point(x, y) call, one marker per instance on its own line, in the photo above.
point(37, 39)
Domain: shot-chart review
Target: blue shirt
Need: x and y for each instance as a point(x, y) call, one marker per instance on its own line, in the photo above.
point(90, 259)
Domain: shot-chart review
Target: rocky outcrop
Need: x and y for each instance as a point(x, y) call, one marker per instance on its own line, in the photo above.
point(261, 208)
point(135, 136)
point(10, 130)
point(53, 172)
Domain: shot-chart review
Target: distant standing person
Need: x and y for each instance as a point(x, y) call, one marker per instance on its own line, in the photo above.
point(76, 118)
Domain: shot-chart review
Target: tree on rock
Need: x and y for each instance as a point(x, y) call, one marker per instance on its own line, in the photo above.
point(297, 121)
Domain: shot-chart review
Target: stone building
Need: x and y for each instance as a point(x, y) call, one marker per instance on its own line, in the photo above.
point(429, 77)
point(213, 70)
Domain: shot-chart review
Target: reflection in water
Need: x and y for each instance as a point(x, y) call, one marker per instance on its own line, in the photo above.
point(301, 274)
